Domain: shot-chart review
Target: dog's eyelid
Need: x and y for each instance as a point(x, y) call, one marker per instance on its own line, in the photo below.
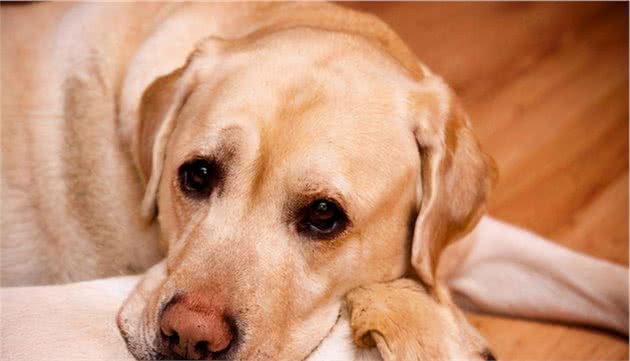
point(330, 195)
point(215, 158)
point(198, 155)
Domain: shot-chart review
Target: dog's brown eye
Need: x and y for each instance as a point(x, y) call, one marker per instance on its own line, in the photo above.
point(322, 219)
point(197, 178)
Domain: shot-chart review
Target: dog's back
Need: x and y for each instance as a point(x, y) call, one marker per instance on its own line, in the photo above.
point(70, 193)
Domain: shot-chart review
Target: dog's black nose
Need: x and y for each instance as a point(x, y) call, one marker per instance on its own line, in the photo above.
point(196, 327)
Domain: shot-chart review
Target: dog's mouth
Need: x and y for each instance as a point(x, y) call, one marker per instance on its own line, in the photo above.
point(132, 316)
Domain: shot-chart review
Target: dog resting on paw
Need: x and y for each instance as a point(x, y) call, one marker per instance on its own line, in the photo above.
point(404, 321)
point(264, 160)
point(251, 145)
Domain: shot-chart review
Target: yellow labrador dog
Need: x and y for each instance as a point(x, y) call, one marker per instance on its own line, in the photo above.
point(277, 156)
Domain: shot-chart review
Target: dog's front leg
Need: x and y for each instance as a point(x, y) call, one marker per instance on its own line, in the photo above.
point(503, 269)
point(64, 322)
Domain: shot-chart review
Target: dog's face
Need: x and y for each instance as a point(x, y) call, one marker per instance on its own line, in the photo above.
point(286, 172)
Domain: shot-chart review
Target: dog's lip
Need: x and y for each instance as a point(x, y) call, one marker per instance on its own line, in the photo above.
point(325, 336)
point(139, 344)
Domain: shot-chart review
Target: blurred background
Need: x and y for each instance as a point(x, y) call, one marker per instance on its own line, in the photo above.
point(546, 85)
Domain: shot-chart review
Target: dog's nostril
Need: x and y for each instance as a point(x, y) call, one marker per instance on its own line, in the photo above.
point(174, 338)
point(202, 349)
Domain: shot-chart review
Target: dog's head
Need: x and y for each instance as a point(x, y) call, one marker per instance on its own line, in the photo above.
point(285, 169)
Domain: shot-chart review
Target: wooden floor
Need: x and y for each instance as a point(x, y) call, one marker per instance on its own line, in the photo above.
point(546, 85)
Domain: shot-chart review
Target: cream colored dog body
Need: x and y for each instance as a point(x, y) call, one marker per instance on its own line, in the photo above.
point(70, 191)
point(288, 104)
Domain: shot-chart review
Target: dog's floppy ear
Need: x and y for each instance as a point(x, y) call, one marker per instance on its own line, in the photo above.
point(456, 175)
point(160, 104)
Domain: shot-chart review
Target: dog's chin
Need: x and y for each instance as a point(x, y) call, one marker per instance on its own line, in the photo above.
point(141, 345)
